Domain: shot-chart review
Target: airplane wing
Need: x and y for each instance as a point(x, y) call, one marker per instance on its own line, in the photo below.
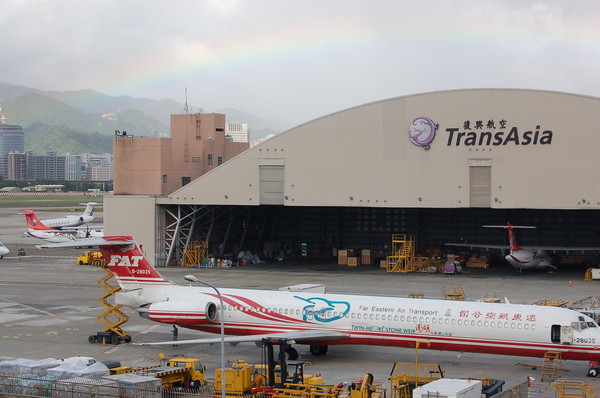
point(478, 245)
point(296, 336)
point(568, 249)
point(97, 241)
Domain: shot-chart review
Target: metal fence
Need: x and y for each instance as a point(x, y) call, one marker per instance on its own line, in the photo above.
point(46, 386)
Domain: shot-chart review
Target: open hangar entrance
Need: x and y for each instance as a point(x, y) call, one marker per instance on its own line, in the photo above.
point(267, 229)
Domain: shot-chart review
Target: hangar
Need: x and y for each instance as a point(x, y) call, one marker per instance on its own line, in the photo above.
point(437, 165)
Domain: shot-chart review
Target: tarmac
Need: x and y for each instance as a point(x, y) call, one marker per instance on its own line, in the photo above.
point(49, 305)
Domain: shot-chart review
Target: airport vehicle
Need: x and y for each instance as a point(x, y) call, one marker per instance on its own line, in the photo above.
point(3, 250)
point(88, 257)
point(176, 372)
point(322, 319)
point(525, 258)
point(37, 229)
point(67, 221)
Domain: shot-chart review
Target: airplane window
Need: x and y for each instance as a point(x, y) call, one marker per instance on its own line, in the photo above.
point(377, 317)
point(414, 319)
point(486, 324)
point(371, 316)
point(460, 321)
point(395, 317)
point(427, 320)
point(492, 324)
point(358, 316)
point(286, 311)
point(421, 319)
point(583, 325)
point(402, 318)
point(353, 315)
point(526, 326)
point(447, 321)
point(433, 320)
point(454, 321)
point(506, 325)
point(479, 323)
point(581, 318)
point(575, 325)
point(519, 325)
point(532, 327)
point(592, 324)
point(512, 325)
point(472, 323)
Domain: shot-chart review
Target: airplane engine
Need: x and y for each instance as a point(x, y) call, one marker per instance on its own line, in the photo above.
point(180, 312)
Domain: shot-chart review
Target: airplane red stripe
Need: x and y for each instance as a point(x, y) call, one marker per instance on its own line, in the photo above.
point(506, 347)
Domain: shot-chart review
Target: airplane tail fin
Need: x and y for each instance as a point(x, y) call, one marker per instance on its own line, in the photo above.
point(124, 258)
point(512, 240)
point(33, 222)
point(89, 209)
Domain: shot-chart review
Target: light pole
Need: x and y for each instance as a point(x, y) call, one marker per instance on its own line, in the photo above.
point(192, 278)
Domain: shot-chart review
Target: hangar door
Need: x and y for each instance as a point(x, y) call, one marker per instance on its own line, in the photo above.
point(271, 181)
point(480, 182)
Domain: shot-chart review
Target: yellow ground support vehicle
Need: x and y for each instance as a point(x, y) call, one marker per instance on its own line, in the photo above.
point(89, 257)
point(176, 372)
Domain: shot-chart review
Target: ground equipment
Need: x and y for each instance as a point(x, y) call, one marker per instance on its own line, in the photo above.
point(90, 257)
point(176, 372)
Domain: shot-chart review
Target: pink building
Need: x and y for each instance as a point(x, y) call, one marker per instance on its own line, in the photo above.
point(159, 166)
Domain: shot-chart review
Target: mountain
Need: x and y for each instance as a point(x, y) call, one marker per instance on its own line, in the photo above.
point(94, 102)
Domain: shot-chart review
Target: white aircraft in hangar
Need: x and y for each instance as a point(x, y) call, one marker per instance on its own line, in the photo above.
point(319, 320)
point(526, 258)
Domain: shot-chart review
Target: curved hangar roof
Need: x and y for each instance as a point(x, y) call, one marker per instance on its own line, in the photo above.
point(496, 148)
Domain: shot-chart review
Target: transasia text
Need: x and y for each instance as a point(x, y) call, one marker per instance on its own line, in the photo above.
point(486, 138)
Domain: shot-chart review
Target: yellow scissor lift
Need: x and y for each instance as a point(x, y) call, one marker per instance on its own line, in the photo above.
point(112, 317)
point(403, 258)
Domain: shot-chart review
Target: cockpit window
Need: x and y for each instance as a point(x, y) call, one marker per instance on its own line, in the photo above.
point(592, 325)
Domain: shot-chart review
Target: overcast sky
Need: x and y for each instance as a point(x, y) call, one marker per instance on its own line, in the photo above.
point(296, 60)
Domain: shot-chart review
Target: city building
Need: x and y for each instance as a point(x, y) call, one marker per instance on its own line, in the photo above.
point(159, 166)
point(238, 132)
point(12, 139)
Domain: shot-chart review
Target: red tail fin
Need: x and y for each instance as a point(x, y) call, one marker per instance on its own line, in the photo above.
point(512, 240)
point(129, 265)
point(34, 223)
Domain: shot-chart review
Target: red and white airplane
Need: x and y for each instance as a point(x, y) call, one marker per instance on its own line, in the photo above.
point(69, 221)
point(526, 258)
point(320, 320)
point(39, 230)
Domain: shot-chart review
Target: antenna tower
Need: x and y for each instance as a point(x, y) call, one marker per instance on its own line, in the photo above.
point(186, 110)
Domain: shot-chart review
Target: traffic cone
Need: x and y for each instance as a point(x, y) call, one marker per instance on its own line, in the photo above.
point(103, 340)
point(570, 283)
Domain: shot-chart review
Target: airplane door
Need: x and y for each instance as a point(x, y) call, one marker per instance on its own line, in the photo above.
point(561, 334)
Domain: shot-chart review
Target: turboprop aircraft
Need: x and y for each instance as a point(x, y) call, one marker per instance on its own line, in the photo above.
point(525, 258)
point(67, 221)
point(319, 320)
point(37, 229)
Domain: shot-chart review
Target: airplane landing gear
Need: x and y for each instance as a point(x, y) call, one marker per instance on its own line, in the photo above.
point(291, 353)
point(316, 349)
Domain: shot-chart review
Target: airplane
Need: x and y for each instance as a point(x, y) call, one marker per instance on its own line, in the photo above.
point(319, 319)
point(525, 258)
point(37, 229)
point(3, 250)
point(67, 221)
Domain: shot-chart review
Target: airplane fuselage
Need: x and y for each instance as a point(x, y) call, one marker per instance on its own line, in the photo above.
point(494, 328)
point(528, 258)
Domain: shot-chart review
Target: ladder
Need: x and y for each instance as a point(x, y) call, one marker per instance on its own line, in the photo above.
point(552, 364)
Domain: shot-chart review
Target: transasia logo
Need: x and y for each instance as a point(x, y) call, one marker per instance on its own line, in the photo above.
point(497, 138)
